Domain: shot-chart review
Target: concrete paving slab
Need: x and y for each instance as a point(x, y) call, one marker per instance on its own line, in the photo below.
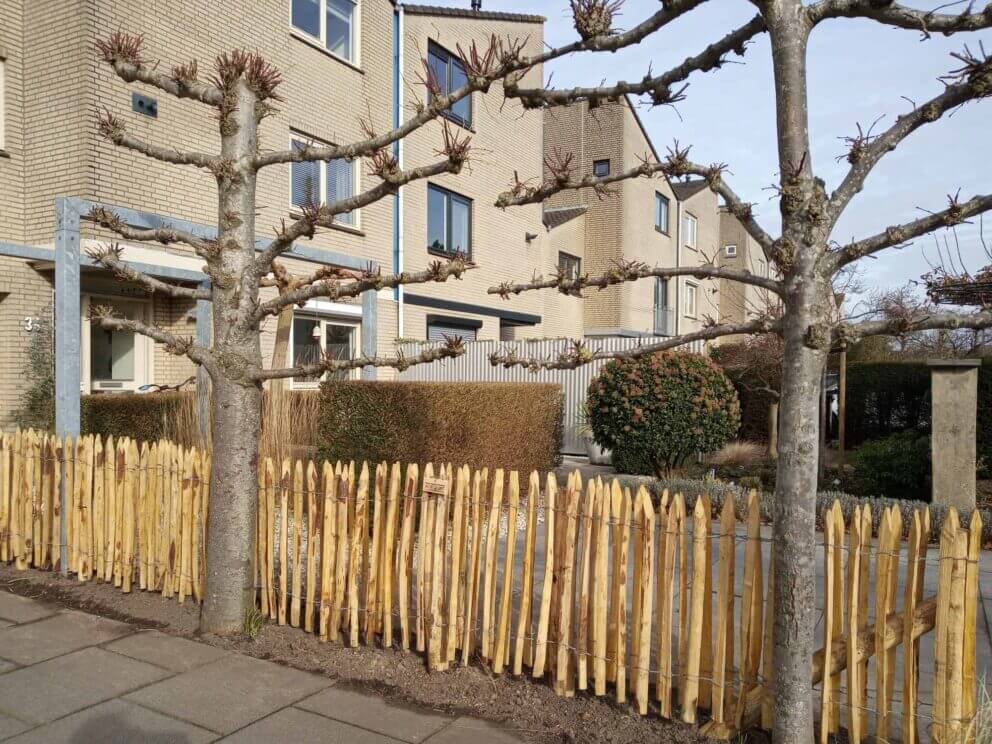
point(160, 649)
point(229, 694)
point(60, 686)
point(16, 609)
point(57, 635)
point(10, 726)
point(293, 724)
point(116, 722)
point(473, 731)
point(371, 712)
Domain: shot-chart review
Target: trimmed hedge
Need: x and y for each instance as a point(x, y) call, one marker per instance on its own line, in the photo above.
point(884, 398)
point(144, 417)
point(517, 426)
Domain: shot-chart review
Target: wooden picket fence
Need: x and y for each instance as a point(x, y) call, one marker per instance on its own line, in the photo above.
point(592, 587)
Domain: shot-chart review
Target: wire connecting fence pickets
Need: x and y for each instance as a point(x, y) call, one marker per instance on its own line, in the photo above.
point(660, 604)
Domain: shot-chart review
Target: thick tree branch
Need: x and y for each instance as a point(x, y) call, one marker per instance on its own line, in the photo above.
point(113, 129)
point(895, 14)
point(123, 52)
point(629, 272)
point(453, 347)
point(955, 214)
point(657, 87)
point(385, 166)
point(866, 149)
point(580, 354)
point(335, 289)
point(166, 235)
point(899, 326)
point(110, 257)
point(175, 345)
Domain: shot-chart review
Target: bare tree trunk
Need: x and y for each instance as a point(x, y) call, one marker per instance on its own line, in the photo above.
point(237, 397)
point(233, 502)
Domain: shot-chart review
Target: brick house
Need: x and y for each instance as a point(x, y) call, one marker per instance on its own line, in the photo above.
point(340, 59)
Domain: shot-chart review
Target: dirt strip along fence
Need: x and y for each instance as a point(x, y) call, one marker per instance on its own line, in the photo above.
point(592, 587)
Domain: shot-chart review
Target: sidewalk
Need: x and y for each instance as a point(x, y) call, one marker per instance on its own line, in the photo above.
point(67, 676)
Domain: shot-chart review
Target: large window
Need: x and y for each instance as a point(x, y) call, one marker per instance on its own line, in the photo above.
point(570, 266)
point(449, 222)
point(689, 230)
point(449, 72)
point(315, 338)
point(331, 22)
point(323, 182)
point(115, 360)
point(661, 212)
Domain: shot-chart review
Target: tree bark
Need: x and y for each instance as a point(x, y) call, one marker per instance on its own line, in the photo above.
point(237, 399)
point(773, 430)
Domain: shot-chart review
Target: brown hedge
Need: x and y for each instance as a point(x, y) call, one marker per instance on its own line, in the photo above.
point(145, 417)
point(516, 426)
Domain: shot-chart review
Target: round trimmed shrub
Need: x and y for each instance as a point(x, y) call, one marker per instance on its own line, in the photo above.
point(657, 411)
point(897, 466)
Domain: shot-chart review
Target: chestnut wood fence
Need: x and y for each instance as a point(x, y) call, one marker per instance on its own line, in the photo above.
point(592, 587)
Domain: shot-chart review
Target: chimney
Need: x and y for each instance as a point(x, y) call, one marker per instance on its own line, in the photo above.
point(476, 5)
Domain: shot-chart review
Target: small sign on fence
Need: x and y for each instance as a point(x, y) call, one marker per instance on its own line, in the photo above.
point(436, 486)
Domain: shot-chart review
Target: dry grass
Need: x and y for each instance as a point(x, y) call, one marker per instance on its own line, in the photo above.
point(182, 424)
point(739, 453)
point(980, 729)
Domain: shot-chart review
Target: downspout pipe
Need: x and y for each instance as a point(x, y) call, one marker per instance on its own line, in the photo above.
point(398, 154)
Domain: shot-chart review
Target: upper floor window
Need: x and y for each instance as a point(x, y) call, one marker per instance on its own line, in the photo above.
point(331, 22)
point(762, 267)
point(449, 73)
point(600, 168)
point(570, 266)
point(449, 222)
point(689, 230)
point(323, 182)
point(661, 212)
point(691, 291)
point(730, 250)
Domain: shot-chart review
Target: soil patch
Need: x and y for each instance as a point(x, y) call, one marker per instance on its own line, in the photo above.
point(530, 707)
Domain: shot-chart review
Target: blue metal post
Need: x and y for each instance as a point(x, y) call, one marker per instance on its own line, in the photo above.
point(67, 341)
point(370, 330)
point(204, 320)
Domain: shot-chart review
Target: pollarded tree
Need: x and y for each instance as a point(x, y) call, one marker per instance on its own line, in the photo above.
point(807, 262)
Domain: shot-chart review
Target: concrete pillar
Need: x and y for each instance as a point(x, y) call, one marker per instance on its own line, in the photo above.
point(954, 403)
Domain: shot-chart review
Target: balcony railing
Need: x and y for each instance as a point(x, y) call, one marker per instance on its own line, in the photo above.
point(664, 321)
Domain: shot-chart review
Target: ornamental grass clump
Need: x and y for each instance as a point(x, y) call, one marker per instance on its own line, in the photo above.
point(655, 412)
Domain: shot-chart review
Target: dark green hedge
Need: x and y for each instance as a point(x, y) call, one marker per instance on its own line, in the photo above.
point(517, 426)
point(888, 397)
point(145, 417)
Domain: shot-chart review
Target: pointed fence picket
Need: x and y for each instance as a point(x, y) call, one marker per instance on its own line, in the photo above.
point(593, 587)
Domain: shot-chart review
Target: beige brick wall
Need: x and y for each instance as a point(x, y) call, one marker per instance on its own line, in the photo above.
point(702, 204)
point(12, 155)
point(563, 314)
point(740, 302)
point(505, 138)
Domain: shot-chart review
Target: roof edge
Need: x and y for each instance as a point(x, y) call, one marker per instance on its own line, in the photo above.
point(484, 15)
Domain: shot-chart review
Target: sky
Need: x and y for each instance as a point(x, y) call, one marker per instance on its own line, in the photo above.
point(858, 70)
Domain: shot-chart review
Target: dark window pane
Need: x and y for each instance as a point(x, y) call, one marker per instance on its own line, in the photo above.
point(570, 265)
point(306, 183)
point(661, 212)
point(341, 185)
point(601, 168)
point(338, 342)
point(439, 66)
point(306, 16)
point(306, 345)
point(436, 219)
point(461, 215)
point(339, 22)
point(463, 108)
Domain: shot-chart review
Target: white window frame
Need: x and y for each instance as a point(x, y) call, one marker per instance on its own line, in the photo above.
point(691, 291)
point(3, 103)
point(688, 218)
point(144, 347)
point(762, 267)
point(314, 311)
point(730, 250)
point(321, 41)
point(356, 175)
